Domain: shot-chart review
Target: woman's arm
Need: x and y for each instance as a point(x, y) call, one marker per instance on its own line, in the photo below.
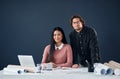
point(45, 54)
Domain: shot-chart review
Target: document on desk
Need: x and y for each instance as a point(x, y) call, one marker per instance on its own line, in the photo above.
point(69, 70)
point(19, 69)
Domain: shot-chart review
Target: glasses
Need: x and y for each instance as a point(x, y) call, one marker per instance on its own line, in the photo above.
point(78, 22)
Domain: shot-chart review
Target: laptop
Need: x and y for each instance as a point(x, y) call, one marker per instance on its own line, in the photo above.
point(26, 60)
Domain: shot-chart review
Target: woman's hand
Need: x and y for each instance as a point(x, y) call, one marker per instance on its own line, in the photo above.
point(53, 65)
point(75, 66)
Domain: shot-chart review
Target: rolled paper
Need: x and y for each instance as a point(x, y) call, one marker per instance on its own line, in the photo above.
point(109, 71)
point(14, 70)
point(103, 69)
point(27, 69)
point(99, 71)
point(110, 65)
point(115, 64)
point(117, 72)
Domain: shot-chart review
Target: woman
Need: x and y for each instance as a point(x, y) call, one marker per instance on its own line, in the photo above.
point(59, 53)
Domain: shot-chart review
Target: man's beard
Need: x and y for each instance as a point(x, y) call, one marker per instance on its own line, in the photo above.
point(78, 29)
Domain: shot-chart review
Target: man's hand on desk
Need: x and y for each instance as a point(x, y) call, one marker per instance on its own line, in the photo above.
point(75, 66)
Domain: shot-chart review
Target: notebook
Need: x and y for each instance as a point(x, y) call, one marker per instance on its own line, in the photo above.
point(26, 60)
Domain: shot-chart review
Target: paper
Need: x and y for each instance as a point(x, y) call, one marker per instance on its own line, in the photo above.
point(14, 70)
point(117, 72)
point(102, 69)
point(115, 67)
point(115, 64)
point(28, 69)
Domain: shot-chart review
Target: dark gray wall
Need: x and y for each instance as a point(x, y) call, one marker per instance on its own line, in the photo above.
point(25, 26)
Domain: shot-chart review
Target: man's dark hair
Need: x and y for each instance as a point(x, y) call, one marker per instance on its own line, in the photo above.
point(76, 16)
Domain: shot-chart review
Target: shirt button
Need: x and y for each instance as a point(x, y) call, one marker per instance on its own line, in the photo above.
point(80, 42)
point(81, 47)
point(79, 35)
point(82, 52)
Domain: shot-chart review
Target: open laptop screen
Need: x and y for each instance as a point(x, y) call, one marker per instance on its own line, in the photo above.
point(26, 60)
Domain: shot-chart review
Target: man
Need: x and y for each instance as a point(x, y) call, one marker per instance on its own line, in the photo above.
point(84, 43)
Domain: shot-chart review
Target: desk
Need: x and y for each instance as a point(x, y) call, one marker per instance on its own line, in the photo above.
point(70, 73)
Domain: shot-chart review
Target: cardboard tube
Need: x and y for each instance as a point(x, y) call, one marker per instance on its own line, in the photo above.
point(115, 64)
point(110, 65)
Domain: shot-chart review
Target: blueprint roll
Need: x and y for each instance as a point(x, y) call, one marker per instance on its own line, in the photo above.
point(27, 69)
point(99, 71)
point(117, 72)
point(109, 71)
point(14, 70)
point(103, 69)
point(110, 65)
point(115, 64)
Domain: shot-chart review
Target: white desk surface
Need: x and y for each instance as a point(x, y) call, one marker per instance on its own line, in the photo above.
point(69, 73)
